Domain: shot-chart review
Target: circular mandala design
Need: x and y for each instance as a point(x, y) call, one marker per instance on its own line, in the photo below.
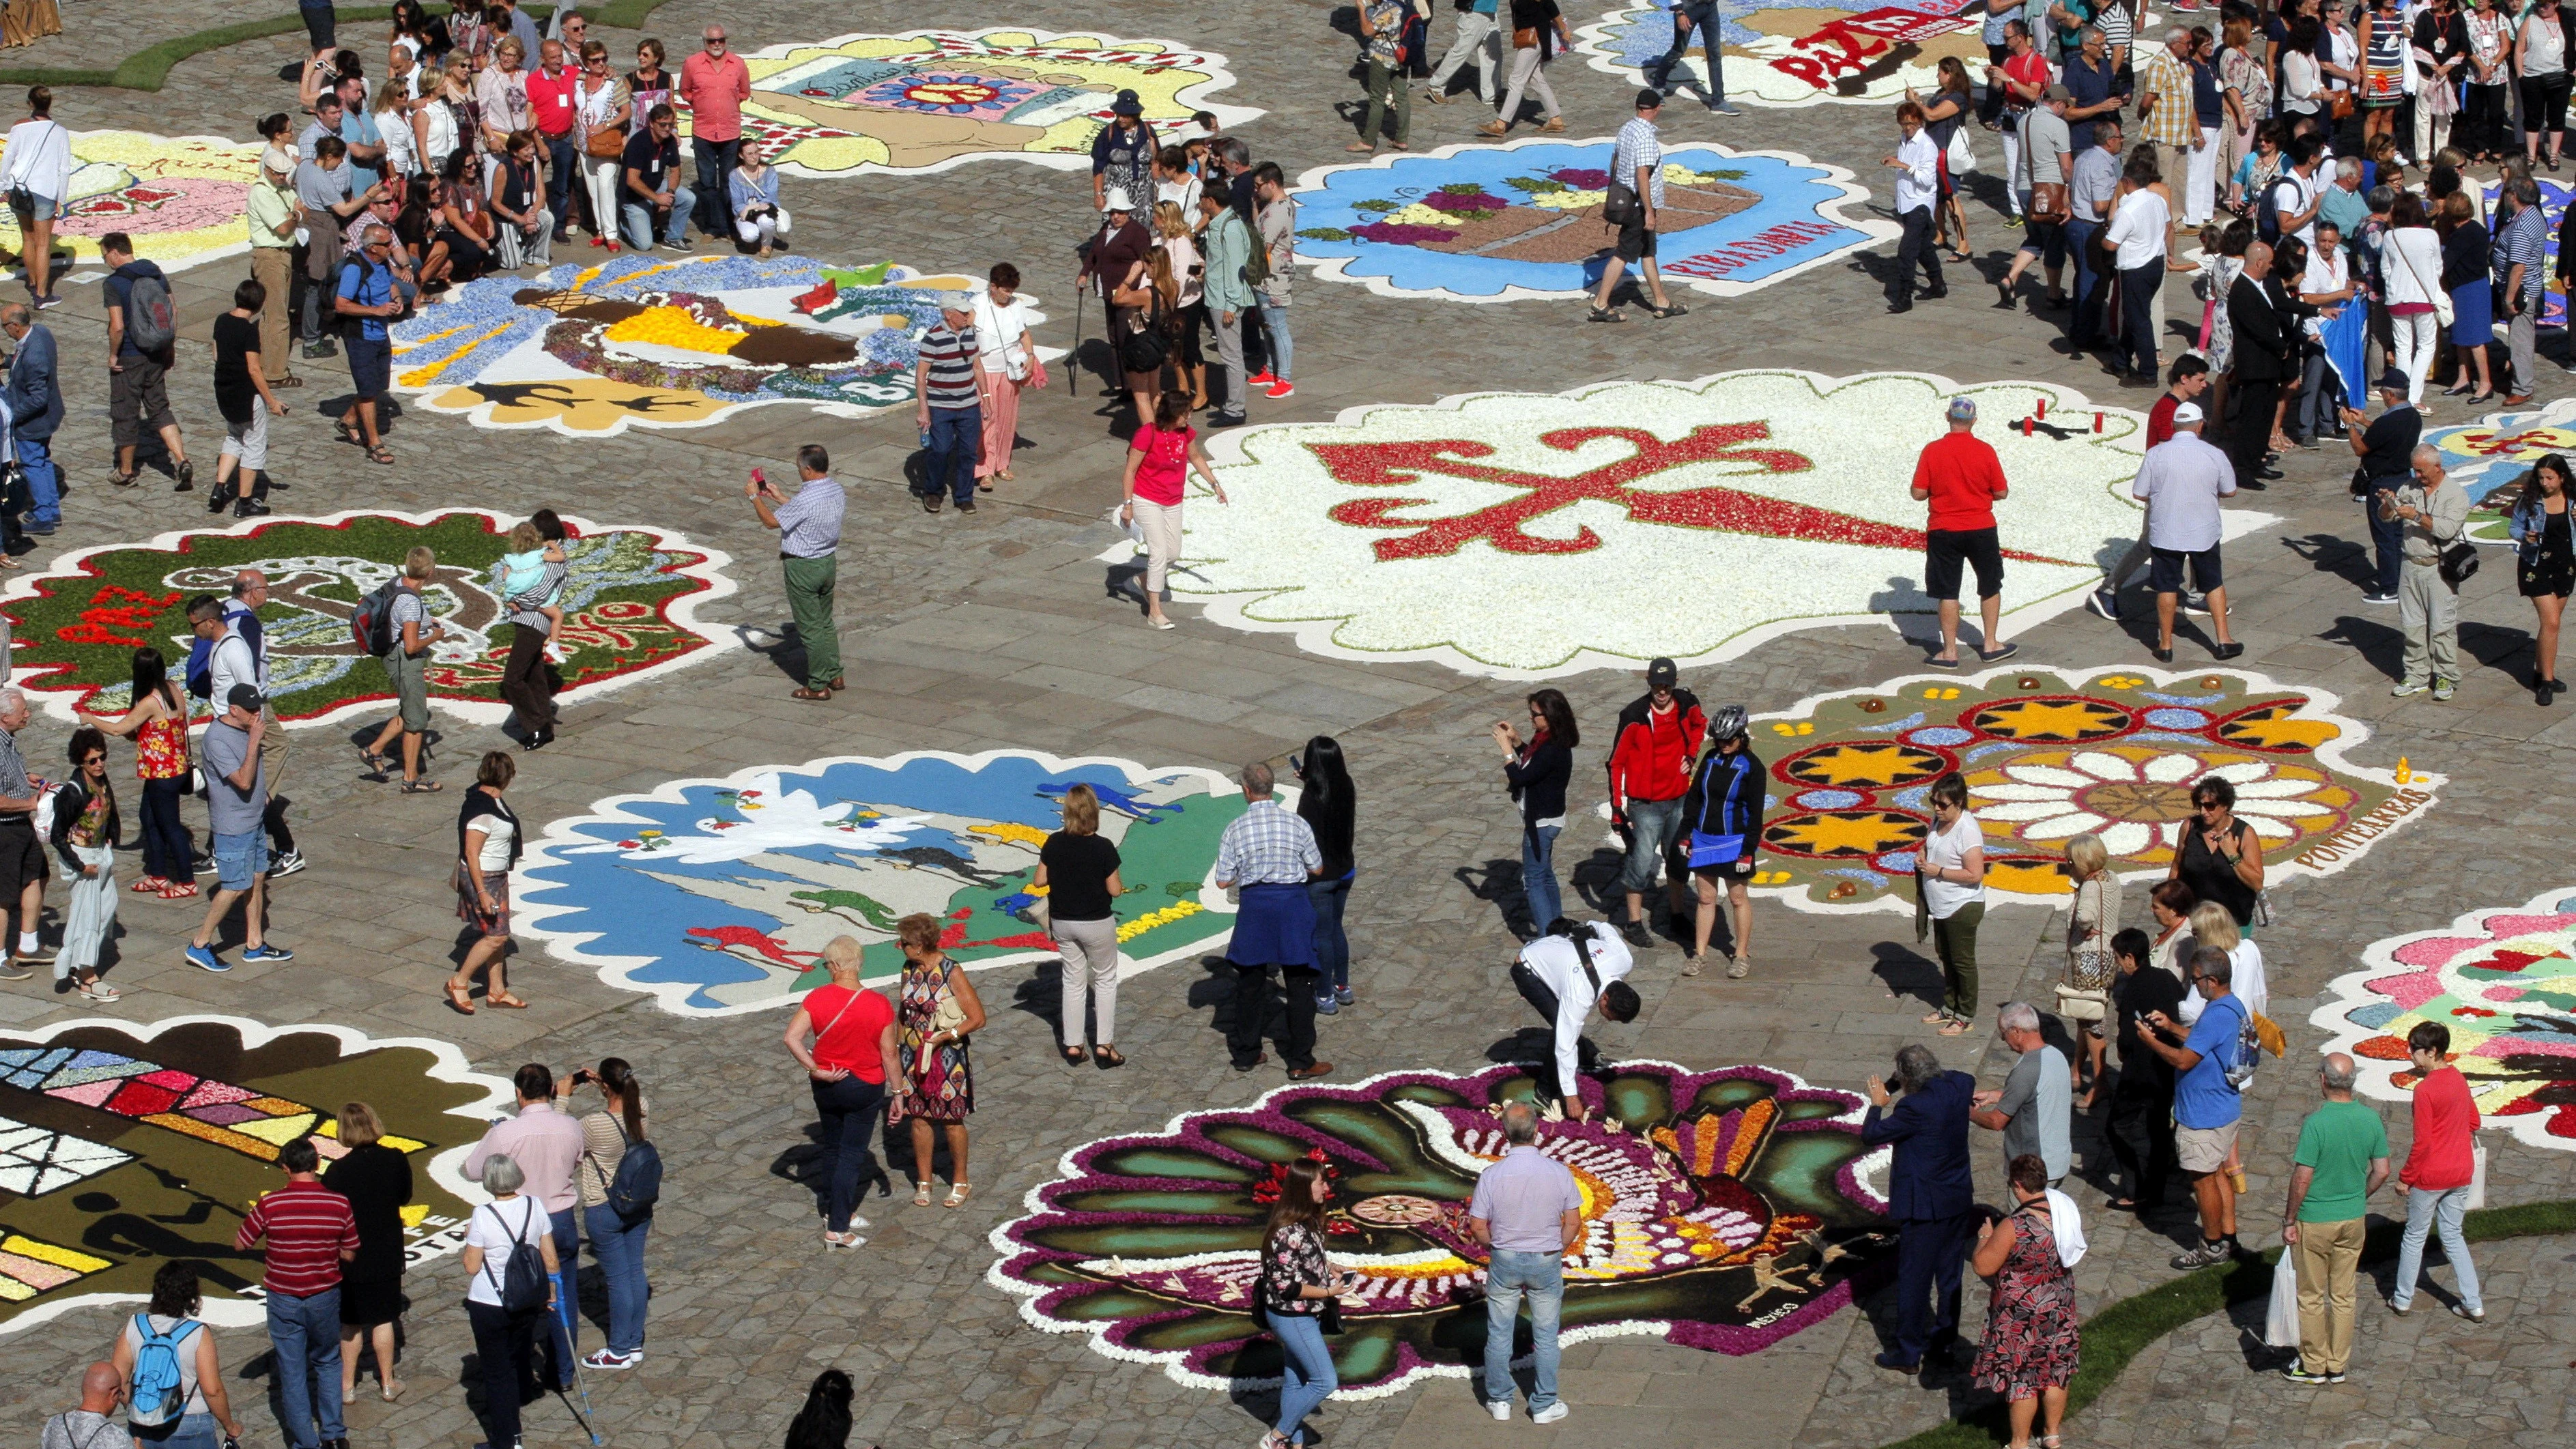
point(2062, 718)
point(1872, 764)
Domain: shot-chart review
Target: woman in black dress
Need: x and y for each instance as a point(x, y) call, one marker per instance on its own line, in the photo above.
point(2221, 858)
point(1326, 801)
point(2545, 564)
point(376, 1180)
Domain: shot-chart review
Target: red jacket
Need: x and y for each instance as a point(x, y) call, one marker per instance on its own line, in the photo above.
point(1650, 758)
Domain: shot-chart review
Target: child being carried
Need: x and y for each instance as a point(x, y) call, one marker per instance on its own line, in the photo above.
point(532, 577)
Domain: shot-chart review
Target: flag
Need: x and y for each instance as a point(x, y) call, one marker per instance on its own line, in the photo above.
point(2344, 335)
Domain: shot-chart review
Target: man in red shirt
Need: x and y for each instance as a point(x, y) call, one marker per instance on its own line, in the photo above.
point(310, 1234)
point(1960, 476)
point(714, 83)
point(2185, 381)
point(552, 101)
point(1650, 771)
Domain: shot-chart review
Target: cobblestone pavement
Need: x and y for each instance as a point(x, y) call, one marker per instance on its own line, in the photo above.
point(990, 631)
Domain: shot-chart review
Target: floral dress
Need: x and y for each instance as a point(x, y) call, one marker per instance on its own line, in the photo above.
point(940, 1081)
point(1293, 1258)
point(2031, 1338)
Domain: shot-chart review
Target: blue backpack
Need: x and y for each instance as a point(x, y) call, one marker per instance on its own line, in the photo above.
point(156, 1396)
point(638, 1183)
point(200, 669)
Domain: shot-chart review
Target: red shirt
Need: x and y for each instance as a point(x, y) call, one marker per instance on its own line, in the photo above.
point(2160, 426)
point(846, 1031)
point(1652, 761)
point(1165, 468)
point(2444, 1120)
point(715, 90)
point(307, 1225)
point(1962, 474)
point(551, 100)
point(2031, 69)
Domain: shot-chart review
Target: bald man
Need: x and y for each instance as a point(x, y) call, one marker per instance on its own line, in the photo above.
point(89, 1426)
point(2342, 1159)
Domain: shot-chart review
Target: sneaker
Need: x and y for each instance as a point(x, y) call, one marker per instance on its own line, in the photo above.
point(2297, 1373)
point(1279, 389)
point(608, 1359)
point(204, 959)
point(1343, 995)
point(1326, 1005)
point(2441, 689)
point(1501, 1410)
point(1550, 1414)
point(2381, 599)
point(1635, 932)
point(1738, 968)
point(2405, 688)
point(2105, 603)
point(12, 971)
point(47, 304)
point(2335, 1377)
point(1263, 378)
point(321, 349)
point(2195, 604)
point(39, 954)
point(2200, 1257)
point(268, 952)
point(287, 864)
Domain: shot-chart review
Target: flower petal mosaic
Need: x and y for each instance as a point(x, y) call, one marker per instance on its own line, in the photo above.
point(648, 341)
point(1794, 52)
point(2490, 457)
point(630, 609)
point(1722, 1210)
point(1510, 534)
point(927, 100)
point(1503, 223)
point(181, 198)
point(2503, 979)
point(2049, 755)
point(717, 896)
point(124, 1145)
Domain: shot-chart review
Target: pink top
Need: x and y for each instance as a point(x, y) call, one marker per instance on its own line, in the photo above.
point(545, 1143)
point(715, 90)
point(1165, 469)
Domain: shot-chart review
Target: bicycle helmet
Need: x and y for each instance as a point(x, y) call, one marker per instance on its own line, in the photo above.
point(1728, 723)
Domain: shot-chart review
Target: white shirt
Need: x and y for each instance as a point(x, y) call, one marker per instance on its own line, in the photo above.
point(40, 158)
point(2308, 188)
point(2327, 272)
point(230, 664)
point(2138, 228)
point(1918, 184)
point(1558, 964)
point(401, 154)
point(1183, 193)
point(496, 1228)
point(497, 833)
point(1003, 334)
point(2411, 263)
point(1948, 850)
point(2244, 980)
point(2181, 482)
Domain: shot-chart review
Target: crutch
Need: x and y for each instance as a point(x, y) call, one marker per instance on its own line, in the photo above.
point(581, 1386)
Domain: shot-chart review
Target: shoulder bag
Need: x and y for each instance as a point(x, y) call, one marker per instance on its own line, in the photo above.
point(2048, 203)
point(2459, 562)
point(836, 1021)
point(2085, 994)
point(2442, 311)
point(1619, 208)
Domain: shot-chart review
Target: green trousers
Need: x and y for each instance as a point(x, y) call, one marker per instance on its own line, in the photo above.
point(809, 598)
point(1954, 940)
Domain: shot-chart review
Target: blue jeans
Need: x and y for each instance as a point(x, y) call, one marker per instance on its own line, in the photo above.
point(2387, 535)
point(193, 1431)
point(619, 1248)
point(1538, 874)
point(563, 171)
point(850, 1110)
point(306, 1334)
point(563, 1334)
point(1306, 1368)
point(675, 226)
point(1541, 1277)
point(1332, 943)
point(35, 456)
point(1689, 15)
point(1651, 824)
point(2084, 319)
point(1283, 351)
point(956, 442)
point(2425, 1210)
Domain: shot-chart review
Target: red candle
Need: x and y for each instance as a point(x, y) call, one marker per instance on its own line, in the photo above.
point(2025, 427)
point(2097, 422)
point(2043, 408)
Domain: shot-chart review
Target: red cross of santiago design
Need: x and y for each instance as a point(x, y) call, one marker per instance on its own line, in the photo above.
point(1718, 507)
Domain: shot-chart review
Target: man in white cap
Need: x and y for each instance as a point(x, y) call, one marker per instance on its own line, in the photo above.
point(274, 215)
point(2181, 482)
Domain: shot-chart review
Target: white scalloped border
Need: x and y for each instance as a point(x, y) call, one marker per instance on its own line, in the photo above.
point(1194, 96)
point(1594, 43)
point(531, 914)
point(1869, 1165)
point(447, 1064)
point(1847, 192)
point(683, 611)
point(2348, 993)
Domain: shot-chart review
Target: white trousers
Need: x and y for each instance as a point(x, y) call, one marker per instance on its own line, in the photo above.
point(764, 231)
point(2200, 192)
point(1161, 525)
point(600, 176)
point(1528, 72)
point(2414, 338)
point(2016, 181)
point(1478, 40)
point(1090, 955)
point(2432, 133)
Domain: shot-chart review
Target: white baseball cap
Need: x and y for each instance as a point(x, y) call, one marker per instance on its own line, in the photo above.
point(1118, 200)
point(2187, 415)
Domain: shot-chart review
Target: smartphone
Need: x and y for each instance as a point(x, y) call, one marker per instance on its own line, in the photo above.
point(759, 479)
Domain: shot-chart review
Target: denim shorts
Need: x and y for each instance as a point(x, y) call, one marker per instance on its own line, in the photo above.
point(45, 209)
point(240, 860)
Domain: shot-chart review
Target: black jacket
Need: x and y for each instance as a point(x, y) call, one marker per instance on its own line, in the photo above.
point(1737, 806)
point(70, 802)
point(2262, 335)
point(1538, 779)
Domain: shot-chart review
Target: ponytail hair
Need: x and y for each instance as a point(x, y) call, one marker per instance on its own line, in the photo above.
point(619, 1078)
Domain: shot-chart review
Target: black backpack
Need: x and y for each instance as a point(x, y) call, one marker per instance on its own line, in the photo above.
point(522, 1279)
point(1144, 349)
point(637, 1184)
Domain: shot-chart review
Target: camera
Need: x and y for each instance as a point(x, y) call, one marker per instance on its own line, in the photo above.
point(582, 1075)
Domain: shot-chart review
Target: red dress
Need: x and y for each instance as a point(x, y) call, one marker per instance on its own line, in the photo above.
point(2031, 1339)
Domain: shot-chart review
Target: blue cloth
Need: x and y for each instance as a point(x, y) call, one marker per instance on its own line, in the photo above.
point(1704, 17)
point(1538, 874)
point(2202, 1097)
point(618, 1246)
point(192, 1431)
point(1652, 827)
point(240, 860)
point(35, 399)
point(1510, 1277)
point(2091, 85)
point(809, 524)
point(2424, 1210)
point(563, 1328)
point(2346, 336)
point(675, 226)
point(359, 129)
point(1306, 1370)
point(2472, 314)
point(44, 481)
point(1273, 926)
point(306, 1334)
point(849, 1109)
point(368, 284)
point(1332, 943)
point(1930, 1177)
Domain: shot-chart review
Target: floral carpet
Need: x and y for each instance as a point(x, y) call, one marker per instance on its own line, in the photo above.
point(180, 198)
point(1794, 52)
point(1722, 1210)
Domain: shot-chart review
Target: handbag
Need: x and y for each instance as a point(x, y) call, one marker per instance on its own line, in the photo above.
point(2049, 203)
point(1525, 38)
point(606, 143)
point(1619, 208)
point(1960, 157)
point(2459, 563)
point(2077, 1004)
point(2341, 107)
point(1708, 850)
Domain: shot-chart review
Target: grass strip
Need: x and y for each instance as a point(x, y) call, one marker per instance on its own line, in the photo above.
point(146, 69)
point(2121, 1331)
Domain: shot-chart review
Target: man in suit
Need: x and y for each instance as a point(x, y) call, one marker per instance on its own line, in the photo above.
point(2266, 349)
point(1930, 1195)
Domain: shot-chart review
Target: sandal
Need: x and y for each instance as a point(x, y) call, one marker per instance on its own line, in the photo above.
point(180, 891)
point(150, 885)
point(99, 991)
point(505, 1000)
point(126, 480)
point(1936, 1018)
point(373, 763)
point(460, 999)
point(812, 695)
point(957, 1194)
point(348, 432)
point(1668, 310)
point(1956, 1027)
point(1107, 1057)
point(1606, 314)
point(421, 787)
point(288, 382)
point(1074, 1056)
point(921, 1193)
point(381, 454)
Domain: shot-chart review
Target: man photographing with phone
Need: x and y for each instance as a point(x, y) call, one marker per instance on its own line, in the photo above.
point(809, 544)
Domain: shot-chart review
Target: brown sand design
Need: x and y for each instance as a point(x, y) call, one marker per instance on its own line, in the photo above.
point(1537, 234)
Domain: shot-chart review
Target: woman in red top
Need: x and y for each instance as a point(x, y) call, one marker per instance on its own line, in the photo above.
point(1158, 464)
point(853, 1032)
point(2438, 1170)
point(158, 722)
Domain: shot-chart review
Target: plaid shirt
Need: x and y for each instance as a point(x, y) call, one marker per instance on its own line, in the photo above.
point(1267, 846)
point(2173, 122)
point(1638, 145)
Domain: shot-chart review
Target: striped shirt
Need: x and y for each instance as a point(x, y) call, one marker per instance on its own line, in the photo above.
point(2174, 121)
point(1266, 845)
point(951, 355)
point(1639, 146)
point(306, 1225)
point(2518, 243)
